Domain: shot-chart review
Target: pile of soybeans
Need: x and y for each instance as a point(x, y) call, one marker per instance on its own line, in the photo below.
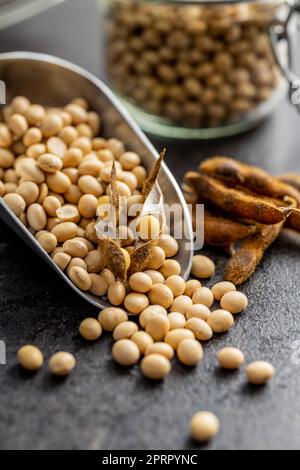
point(56, 173)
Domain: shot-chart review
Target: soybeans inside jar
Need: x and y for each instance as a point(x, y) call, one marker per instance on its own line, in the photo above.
point(193, 69)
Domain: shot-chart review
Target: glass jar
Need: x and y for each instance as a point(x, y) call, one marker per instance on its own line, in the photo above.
point(14, 11)
point(193, 69)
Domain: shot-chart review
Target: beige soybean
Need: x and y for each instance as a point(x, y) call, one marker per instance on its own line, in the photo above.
point(20, 104)
point(72, 158)
point(190, 352)
point(90, 185)
point(181, 304)
point(56, 146)
point(58, 182)
point(6, 138)
point(204, 426)
point(155, 366)
point(203, 267)
point(111, 317)
point(95, 261)
point(140, 282)
point(161, 295)
point(30, 358)
point(108, 276)
point(52, 125)
point(36, 217)
point(157, 277)
point(157, 327)
point(61, 364)
point(129, 160)
point(125, 330)
point(68, 134)
point(68, 213)
point(80, 278)
point(234, 302)
point(87, 206)
point(170, 268)
point(65, 231)
point(220, 321)
point(116, 293)
point(90, 329)
point(149, 312)
point(162, 349)
point(203, 296)
point(48, 241)
point(62, 260)
point(35, 151)
point(35, 114)
point(6, 158)
point(75, 248)
point(260, 372)
point(198, 311)
point(191, 286)
point(143, 340)
point(169, 245)
point(200, 328)
point(29, 171)
point(49, 163)
point(18, 124)
point(29, 191)
point(157, 258)
point(99, 285)
point(51, 204)
point(43, 193)
point(16, 203)
point(176, 284)
point(73, 195)
point(78, 262)
point(135, 303)
point(148, 227)
point(222, 288)
point(176, 320)
point(231, 358)
point(125, 352)
point(32, 136)
point(174, 337)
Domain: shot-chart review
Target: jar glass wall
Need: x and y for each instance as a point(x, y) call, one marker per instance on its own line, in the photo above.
point(192, 69)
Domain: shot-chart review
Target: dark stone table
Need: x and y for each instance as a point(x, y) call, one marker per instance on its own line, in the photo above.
point(102, 406)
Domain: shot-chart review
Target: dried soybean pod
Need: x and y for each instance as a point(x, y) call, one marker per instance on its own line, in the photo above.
point(236, 202)
point(254, 178)
point(293, 220)
point(291, 179)
point(219, 231)
point(151, 180)
point(245, 261)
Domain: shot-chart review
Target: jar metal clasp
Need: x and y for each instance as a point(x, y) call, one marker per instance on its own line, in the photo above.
point(280, 33)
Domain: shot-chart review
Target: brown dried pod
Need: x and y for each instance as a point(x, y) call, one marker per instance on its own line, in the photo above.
point(293, 220)
point(291, 179)
point(257, 180)
point(223, 232)
point(236, 202)
point(152, 196)
point(244, 262)
point(152, 178)
point(116, 261)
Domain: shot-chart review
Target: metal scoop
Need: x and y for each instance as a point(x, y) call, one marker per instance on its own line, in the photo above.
point(54, 82)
